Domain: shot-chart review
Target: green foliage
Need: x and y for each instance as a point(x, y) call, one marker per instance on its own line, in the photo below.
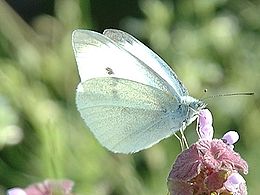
point(210, 44)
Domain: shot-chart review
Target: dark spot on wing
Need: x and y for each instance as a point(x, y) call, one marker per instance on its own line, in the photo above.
point(109, 70)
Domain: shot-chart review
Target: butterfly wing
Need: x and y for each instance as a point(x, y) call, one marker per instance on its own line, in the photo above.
point(99, 56)
point(124, 102)
point(126, 116)
point(148, 57)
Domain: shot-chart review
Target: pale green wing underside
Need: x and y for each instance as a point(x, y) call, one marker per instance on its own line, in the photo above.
point(126, 116)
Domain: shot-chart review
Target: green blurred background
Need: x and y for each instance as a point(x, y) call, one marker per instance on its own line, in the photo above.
point(212, 45)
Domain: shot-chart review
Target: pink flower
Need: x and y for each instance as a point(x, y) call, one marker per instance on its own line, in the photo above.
point(47, 187)
point(235, 183)
point(208, 166)
point(206, 132)
point(205, 124)
point(230, 137)
point(205, 117)
point(16, 191)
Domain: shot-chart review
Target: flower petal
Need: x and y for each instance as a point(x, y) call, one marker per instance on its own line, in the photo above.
point(16, 191)
point(187, 165)
point(234, 181)
point(206, 132)
point(205, 117)
point(230, 137)
point(215, 180)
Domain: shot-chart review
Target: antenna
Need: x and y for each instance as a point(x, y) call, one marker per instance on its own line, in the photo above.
point(229, 94)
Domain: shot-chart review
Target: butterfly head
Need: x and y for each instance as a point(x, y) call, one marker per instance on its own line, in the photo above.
point(197, 105)
point(194, 104)
point(194, 107)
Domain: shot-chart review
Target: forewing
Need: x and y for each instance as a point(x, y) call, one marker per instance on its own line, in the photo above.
point(98, 56)
point(148, 57)
point(126, 116)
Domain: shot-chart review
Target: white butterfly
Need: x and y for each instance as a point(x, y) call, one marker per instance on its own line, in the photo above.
point(128, 96)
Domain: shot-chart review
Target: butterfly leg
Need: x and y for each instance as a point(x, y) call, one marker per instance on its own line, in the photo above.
point(183, 138)
point(197, 127)
point(180, 140)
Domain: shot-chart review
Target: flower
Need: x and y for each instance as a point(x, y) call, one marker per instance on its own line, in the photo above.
point(235, 183)
point(47, 187)
point(16, 191)
point(205, 124)
point(209, 166)
point(205, 117)
point(230, 137)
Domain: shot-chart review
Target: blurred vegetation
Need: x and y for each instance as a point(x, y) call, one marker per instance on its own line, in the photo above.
point(210, 44)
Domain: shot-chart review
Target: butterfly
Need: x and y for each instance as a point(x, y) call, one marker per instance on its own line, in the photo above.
point(128, 96)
